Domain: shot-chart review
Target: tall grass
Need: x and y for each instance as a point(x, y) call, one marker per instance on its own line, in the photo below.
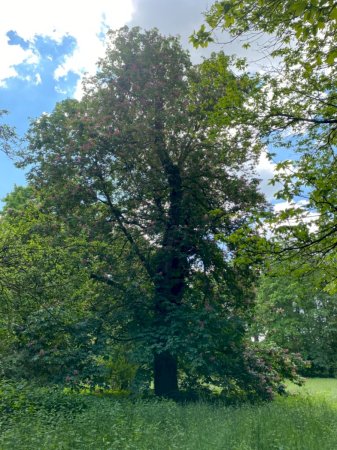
point(294, 423)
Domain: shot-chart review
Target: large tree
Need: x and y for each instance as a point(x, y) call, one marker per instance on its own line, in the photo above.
point(158, 157)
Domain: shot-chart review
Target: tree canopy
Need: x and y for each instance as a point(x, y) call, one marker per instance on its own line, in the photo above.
point(297, 114)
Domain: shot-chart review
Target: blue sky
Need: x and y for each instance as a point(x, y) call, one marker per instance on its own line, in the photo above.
point(32, 92)
point(47, 46)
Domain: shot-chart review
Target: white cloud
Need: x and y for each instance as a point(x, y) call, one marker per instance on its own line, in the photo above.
point(265, 171)
point(12, 55)
point(282, 206)
point(175, 17)
point(182, 17)
point(307, 215)
point(85, 21)
point(38, 79)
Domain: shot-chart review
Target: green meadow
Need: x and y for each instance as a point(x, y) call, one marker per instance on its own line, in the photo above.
point(305, 420)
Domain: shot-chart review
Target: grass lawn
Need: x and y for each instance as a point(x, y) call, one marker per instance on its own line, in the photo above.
point(305, 421)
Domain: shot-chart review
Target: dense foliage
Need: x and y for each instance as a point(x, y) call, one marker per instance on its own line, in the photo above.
point(47, 297)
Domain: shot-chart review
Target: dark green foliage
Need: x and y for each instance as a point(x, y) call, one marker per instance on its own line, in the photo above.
point(54, 346)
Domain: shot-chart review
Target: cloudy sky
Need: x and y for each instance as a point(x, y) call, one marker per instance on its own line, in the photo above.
point(47, 46)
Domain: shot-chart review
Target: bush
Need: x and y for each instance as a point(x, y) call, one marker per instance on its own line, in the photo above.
point(27, 398)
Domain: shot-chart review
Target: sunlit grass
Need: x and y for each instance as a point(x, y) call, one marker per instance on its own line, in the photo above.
point(319, 388)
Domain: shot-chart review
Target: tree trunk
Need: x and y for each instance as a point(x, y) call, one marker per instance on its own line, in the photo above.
point(169, 293)
point(165, 375)
point(171, 266)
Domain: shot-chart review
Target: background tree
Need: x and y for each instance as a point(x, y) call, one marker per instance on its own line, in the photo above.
point(299, 316)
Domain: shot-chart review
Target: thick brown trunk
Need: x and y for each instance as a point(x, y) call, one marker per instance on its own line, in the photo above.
point(165, 375)
point(165, 364)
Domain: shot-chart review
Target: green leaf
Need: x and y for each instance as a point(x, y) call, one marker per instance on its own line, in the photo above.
point(299, 7)
point(298, 30)
point(332, 55)
point(333, 14)
point(229, 21)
